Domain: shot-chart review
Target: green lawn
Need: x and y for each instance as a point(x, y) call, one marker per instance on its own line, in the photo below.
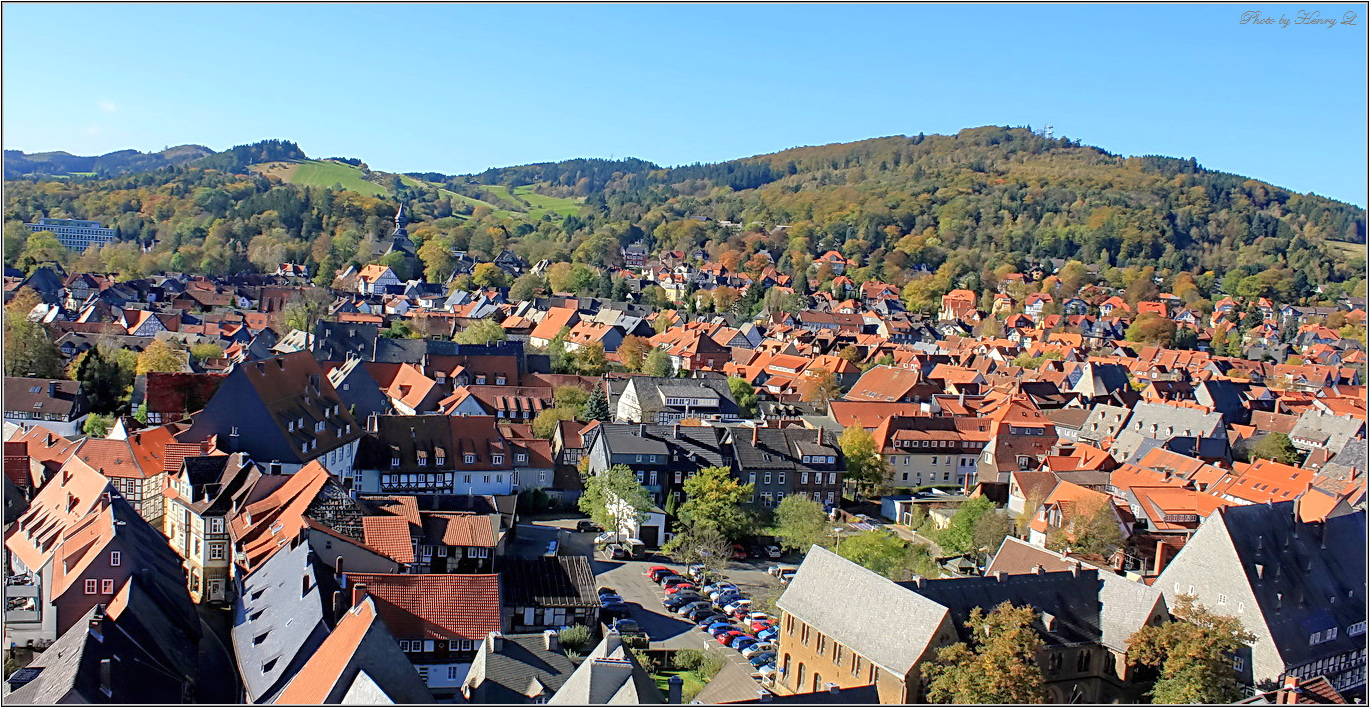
point(694, 683)
point(543, 203)
point(315, 173)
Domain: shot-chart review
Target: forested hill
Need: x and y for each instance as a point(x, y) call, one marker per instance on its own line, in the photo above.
point(19, 164)
point(959, 205)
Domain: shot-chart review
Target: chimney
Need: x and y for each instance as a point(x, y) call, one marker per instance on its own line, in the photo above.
point(674, 686)
point(52, 389)
point(756, 435)
point(675, 431)
point(612, 641)
point(494, 642)
point(1049, 621)
point(551, 641)
point(820, 435)
point(358, 593)
point(372, 423)
point(1160, 558)
point(304, 585)
point(763, 695)
point(1075, 570)
point(1290, 693)
point(1038, 570)
point(834, 688)
point(999, 575)
point(106, 677)
point(642, 430)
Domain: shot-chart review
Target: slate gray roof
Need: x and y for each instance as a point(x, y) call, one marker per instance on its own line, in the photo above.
point(152, 645)
point(609, 675)
point(1104, 421)
point(1171, 421)
point(651, 392)
point(1315, 562)
point(1327, 430)
point(559, 581)
point(818, 596)
point(277, 625)
point(507, 675)
point(693, 446)
point(1352, 457)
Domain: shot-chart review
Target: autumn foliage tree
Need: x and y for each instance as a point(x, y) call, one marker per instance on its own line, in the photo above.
point(1193, 653)
point(819, 386)
point(997, 666)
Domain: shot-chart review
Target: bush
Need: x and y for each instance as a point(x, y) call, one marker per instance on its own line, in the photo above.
point(647, 663)
point(711, 663)
point(688, 659)
point(576, 638)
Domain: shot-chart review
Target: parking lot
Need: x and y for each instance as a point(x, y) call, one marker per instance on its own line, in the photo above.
point(666, 630)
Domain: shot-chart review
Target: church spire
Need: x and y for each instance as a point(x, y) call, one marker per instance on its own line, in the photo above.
point(400, 218)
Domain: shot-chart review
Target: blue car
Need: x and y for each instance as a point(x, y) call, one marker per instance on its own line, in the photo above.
point(741, 642)
point(761, 660)
point(718, 627)
point(709, 618)
point(768, 634)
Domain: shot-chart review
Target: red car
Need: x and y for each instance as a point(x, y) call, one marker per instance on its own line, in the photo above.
point(657, 572)
point(677, 588)
point(758, 626)
point(728, 636)
point(739, 553)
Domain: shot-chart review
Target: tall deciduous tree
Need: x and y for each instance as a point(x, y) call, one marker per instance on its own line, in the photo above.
point(819, 386)
point(614, 499)
point(998, 665)
point(800, 523)
point(714, 498)
point(1090, 527)
point(745, 395)
point(1194, 654)
point(865, 467)
point(481, 332)
point(632, 351)
point(590, 360)
point(1275, 446)
point(657, 363)
point(959, 536)
point(160, 357)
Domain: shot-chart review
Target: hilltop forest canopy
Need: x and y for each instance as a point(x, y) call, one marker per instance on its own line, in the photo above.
point(945, 211)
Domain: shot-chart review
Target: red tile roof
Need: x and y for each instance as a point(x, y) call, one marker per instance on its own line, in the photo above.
point(438, 606)
point(390, 536)
point(460, 529)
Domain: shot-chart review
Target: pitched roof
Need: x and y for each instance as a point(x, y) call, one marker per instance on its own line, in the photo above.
point(390, 535)
point(824, 577)
point(558, 581)
point(359, 644)
point(523, 668)
point(439, 606)
point(474, 530)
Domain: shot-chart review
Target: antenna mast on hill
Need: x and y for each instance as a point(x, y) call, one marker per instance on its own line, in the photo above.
point(1046, 132)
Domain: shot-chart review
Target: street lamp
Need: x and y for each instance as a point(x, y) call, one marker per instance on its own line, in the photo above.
point(837, 539)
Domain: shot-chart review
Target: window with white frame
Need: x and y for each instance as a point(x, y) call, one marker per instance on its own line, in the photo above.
point(469, 458)
point(92, 586)
point(115, 558)
point(106, 585)
point(497, 459)
point(521, 458)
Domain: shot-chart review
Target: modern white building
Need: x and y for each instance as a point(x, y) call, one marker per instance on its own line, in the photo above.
point(74, 234)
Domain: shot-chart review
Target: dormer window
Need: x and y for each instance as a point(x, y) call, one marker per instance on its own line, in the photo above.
point(469, 458)
point(395, 460)
point(480, 379)
point(440, 461)
point(520, 458)
point(497, 459)
point(499, 380)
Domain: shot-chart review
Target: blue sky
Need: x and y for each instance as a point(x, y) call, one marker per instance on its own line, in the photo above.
point(459, 88)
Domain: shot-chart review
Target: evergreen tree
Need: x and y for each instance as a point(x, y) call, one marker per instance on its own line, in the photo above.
point(597, 408)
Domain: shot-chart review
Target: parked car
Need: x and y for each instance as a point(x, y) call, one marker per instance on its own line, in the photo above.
point(778, 570)
point(708, 619)
point(719, 586)
point(739, 553)
point(759, 617)
point(682, 587)
point(720, 626)
point(743, 642)
point(773, 551)
point(673, 580)
point(617, 610)
point(617, 552)
point(726, 628)
point(768, 634)
point(762, 659)
point(767, 672)
point(690, 608)
point(609, 599)
point(735, 605)
point(679, 600)
point(606, 590)
point(588, 526)
point(727, 637)
point(626, 625)
point(724, 592)
point(759, 626)
point(786, 577)
point(657, 572)
point(759, 648)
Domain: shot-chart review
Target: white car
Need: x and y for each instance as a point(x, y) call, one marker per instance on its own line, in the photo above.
point(767, 672)
point(773, 551)
point(786, 577)
point(757, 617)
point(779, 570)
point(758, 648)
point(736, 605)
